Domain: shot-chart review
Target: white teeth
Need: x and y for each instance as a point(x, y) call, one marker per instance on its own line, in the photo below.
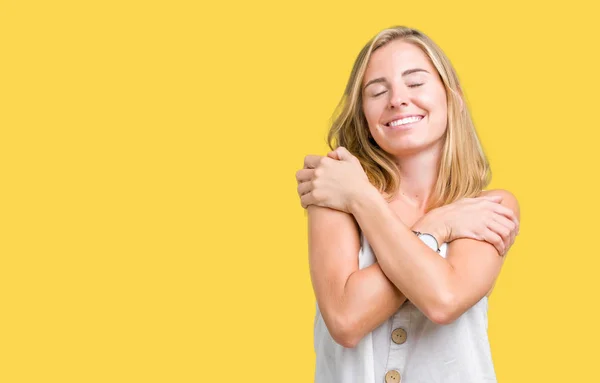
point(406, 120)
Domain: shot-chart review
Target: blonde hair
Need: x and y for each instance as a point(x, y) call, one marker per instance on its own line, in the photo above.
point(463, 170)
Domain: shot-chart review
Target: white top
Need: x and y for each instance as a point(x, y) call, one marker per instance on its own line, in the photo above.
point(424, 352)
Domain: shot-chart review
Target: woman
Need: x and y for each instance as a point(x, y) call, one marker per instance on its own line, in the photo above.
point(404, 243)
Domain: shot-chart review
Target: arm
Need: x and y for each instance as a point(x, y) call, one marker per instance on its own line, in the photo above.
point(441, 288)
point(468, 218)
point(353, 301)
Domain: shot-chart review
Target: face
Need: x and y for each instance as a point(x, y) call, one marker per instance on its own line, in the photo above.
point(404, 100)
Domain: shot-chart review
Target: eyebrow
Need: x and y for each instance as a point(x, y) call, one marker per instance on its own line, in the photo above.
point(405, 73)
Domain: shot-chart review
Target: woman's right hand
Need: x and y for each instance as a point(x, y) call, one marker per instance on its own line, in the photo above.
point(481, 218)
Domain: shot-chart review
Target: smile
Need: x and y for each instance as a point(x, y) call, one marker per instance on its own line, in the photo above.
point(404, 121)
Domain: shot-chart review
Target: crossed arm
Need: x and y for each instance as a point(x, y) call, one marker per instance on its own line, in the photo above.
point(442, 288)
point(355, 301)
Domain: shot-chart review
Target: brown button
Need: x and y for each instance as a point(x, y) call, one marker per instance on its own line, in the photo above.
point(392, 376)
point(399, 336)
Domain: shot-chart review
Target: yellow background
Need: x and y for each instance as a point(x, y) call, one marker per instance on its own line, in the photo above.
point(150, 228)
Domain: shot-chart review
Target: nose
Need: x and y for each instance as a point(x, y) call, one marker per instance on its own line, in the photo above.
point(399, 98)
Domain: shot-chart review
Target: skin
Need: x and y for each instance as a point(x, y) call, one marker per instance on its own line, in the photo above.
point(399, 81)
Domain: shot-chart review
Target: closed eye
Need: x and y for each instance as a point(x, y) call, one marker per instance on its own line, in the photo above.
point(415, 85)
point(380, 93)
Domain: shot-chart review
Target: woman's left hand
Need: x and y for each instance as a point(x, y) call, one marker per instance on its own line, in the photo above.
point(333, 181)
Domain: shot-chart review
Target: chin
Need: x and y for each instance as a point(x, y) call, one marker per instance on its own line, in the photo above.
point(407, 149)
point(403, 146)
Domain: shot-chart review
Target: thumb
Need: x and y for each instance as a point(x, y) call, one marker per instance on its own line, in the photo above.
point(343, 154)
point(333, 154)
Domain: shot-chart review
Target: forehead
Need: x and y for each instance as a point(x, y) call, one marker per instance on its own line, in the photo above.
point(396, 57)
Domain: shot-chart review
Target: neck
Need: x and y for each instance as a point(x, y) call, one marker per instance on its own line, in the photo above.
point(418, 175)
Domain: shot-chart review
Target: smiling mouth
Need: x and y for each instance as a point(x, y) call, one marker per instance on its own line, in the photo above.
point(404, 121)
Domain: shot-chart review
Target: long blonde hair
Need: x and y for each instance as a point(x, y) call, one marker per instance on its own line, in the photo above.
point(464, 170)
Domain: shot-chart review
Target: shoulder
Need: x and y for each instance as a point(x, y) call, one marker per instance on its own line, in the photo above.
point(508, 199)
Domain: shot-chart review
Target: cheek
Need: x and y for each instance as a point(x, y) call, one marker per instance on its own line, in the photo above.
point(430, 101)
point(372, 113)
point(435, 103)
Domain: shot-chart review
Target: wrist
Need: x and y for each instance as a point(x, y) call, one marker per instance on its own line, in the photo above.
point(363, 197)
point(436, 229)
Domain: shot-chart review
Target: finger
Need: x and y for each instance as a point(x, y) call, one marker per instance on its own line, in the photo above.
point(502, 231)
point(334, 155)
point(304, 175)
point(308, 199)
point(495, 240)
point(509, 242)
point(304, 200)
point(512, 240)
point(507, 212)
point(514, 229)
point(502, 220)
point(513, 237)
point(494, 198)
point(304, 188)
point(500, 209)
point(312, 161)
